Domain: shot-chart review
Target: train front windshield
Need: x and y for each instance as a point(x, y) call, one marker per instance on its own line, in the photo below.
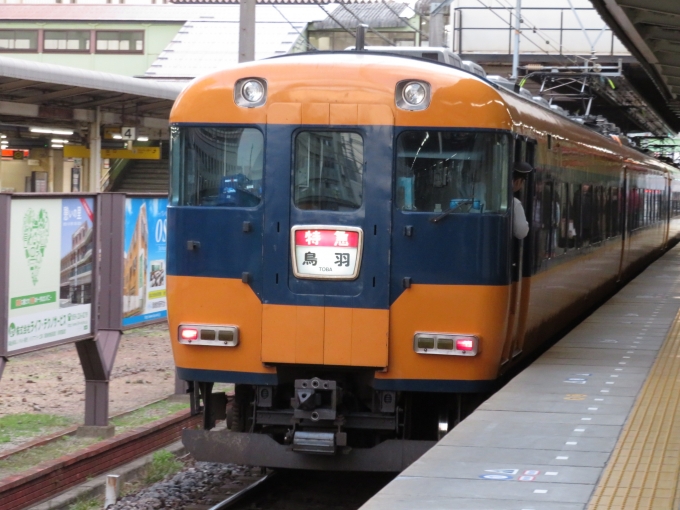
point(217, 166)
point(456, 171)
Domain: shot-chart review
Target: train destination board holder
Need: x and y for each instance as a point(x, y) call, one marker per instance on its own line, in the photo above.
point(326, 252)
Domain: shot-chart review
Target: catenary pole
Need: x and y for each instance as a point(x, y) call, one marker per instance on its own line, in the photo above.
point(246, 36)
point(515, 56)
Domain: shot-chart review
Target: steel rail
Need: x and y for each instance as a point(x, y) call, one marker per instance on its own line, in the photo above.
point(248, 491)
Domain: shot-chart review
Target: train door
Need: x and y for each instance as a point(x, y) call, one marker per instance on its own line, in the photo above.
point(519, 293)
point(327, 237)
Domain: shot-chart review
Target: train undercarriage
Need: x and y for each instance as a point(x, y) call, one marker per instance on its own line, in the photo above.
point(322, 420)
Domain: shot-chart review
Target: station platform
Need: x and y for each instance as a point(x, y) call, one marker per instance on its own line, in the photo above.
point(593, 424)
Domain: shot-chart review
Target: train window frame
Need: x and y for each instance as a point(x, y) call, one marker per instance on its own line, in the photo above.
point(178, 177)
point(294, 160)
point(470, 206)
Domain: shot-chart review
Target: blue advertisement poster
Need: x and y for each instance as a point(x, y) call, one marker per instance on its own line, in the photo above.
point(144, 296)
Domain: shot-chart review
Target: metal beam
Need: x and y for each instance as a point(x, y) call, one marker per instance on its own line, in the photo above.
point(16, 85)
point(59, 94)
point(120, 98)
point(12, 108)
point(659, 33)
point(668, 58)
point(165, 104)
point(639, 17)
point(657, 6)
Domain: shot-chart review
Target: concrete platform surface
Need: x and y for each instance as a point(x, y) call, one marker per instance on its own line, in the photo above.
point(543, 442)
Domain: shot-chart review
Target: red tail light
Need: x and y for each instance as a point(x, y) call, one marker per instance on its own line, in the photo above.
point(465, 344)
point(188, 334)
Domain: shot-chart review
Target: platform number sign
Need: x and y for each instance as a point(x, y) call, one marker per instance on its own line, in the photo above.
point(128, 133)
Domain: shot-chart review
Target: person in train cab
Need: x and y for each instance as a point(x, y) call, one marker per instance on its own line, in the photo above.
point(520, 225)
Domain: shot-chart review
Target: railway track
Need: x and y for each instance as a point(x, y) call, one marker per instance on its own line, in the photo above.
point(210, 486)
point(307, 490)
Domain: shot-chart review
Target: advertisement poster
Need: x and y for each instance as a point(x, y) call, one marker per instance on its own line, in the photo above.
point(144, 270)
point(50, 270)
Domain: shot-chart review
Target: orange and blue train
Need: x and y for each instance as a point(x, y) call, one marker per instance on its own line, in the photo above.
point(340, 248)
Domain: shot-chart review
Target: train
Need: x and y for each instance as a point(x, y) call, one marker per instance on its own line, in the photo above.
point(340, 249)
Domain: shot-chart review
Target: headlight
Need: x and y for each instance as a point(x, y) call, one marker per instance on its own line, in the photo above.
point(412, 95)
point(250, 92)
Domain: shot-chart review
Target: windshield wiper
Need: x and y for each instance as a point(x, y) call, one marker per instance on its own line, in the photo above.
point(443, 215)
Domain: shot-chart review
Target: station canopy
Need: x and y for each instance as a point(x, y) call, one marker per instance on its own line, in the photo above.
point(46, 95)
point(651, 32)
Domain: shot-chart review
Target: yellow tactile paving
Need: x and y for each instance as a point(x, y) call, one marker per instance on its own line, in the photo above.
point(644, 469)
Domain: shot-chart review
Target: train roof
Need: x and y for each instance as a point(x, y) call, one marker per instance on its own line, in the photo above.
point(321, 77)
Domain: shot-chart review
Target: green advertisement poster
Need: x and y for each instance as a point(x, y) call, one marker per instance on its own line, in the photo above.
point(50, 283)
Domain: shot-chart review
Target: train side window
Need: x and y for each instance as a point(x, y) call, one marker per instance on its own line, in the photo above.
point(577, 215)
point(675, 203)
point(328, 174)
point(645, 207)
point(614, 212)
point(635, 208)
point(565, 226)
point(456, 171)
point(586, 214)
point(549, 220)
point(600, 214)
point(216, 166)
point(595, 229)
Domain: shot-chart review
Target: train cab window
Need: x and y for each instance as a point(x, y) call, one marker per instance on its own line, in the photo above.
point(328, 173)
point(216, 166)
point(456, 171)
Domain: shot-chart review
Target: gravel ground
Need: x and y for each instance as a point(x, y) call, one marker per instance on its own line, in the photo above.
point(52, 382)
point(195, 485)
point(204, 484)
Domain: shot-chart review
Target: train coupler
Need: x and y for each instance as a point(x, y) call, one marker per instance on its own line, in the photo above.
point(315, 399)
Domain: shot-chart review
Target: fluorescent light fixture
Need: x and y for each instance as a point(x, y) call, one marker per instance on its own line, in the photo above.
point(143, 139)
point(117, 137)
point(3, 136)
point(51, 131)
point(59, 140)
point(57, 146)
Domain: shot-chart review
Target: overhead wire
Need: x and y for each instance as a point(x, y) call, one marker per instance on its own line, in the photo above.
point(309, 44)
point(353, 34)
point(493, 11)
point(506, 5)
point(404, 20)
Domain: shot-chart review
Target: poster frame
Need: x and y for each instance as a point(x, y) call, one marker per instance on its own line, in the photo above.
point(150, 322)
point(5, 217)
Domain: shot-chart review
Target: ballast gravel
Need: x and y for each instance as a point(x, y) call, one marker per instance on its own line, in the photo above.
point(202, 484)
